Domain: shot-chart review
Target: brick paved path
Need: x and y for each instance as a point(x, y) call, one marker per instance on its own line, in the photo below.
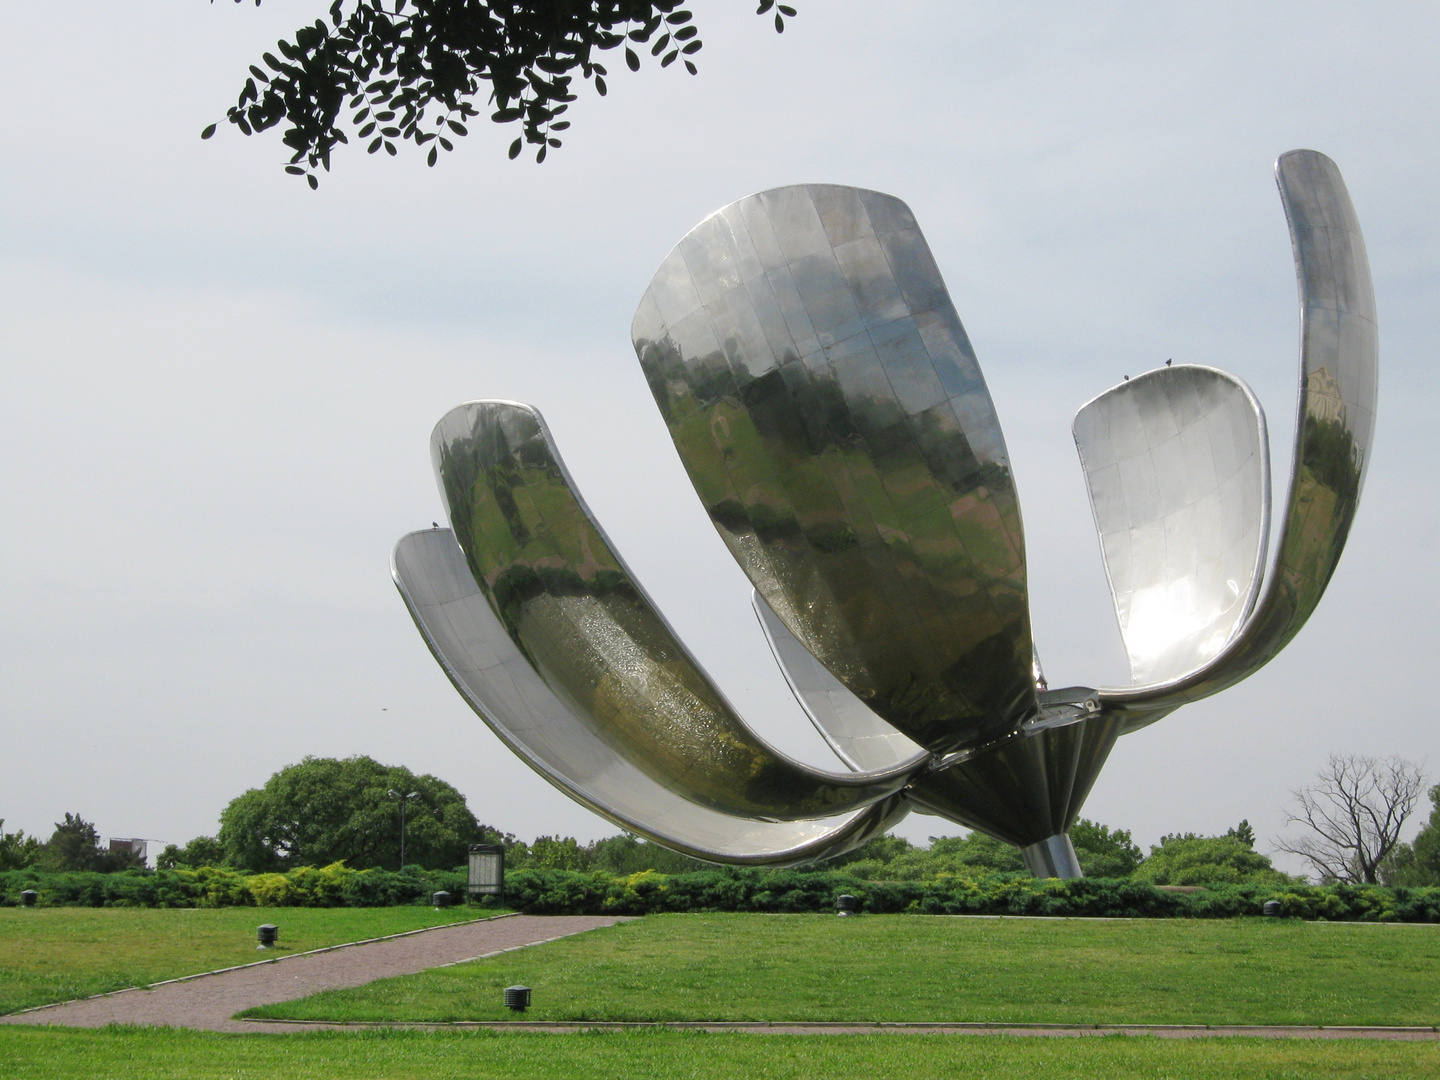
point(208, 1002)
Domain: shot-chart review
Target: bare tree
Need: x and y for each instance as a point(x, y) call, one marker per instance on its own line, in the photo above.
point(1353, 812)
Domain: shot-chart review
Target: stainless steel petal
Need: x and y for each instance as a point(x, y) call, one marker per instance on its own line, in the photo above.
point(578, 615)
point(498, 680)
point(829, 409)
point(1177, 464)
point(860, 738)
point(1339, 370)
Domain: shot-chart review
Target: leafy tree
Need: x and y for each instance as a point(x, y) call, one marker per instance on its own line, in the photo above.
point(1352, 815)
point(1243, 832)
point(627, 854)
point(882, 850)
point(1102, 853)
point(1417, 863)
point(1188, 859)
point(622, 854)
point(75, 845)
point(17, 850)
point(964, 856)
point(556, 853)
point(202, 851)
point(327, 810)
point(392, 67)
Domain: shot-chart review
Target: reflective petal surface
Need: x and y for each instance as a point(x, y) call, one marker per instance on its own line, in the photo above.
point(860, 738)
point(1178, 468)
point(500, 683)
point(584, 624)
point(1339, 374)
point(828, 407)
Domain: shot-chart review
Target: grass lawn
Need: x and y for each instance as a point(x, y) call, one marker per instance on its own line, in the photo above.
point(152, 1054)
point(54, 954)
point(914, 967)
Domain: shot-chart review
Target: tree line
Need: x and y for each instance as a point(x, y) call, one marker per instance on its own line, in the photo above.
point(323, 811)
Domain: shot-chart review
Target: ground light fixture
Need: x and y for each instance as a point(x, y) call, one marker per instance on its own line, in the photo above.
point(845, 904)
point(28, 897)
point(517, 998)
point(266, 934)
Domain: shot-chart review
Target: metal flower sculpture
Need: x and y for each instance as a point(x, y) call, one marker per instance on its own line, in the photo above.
point(829, 409)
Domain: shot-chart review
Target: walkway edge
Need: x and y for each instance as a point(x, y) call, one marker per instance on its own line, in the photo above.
point(847, 1027)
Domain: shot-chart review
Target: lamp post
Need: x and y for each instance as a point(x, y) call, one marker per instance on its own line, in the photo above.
point(403, 800)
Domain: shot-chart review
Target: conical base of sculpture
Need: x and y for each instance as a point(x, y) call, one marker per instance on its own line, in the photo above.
point(1027, 791)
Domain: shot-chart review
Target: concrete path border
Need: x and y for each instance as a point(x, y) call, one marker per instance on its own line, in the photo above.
point(841, 1027)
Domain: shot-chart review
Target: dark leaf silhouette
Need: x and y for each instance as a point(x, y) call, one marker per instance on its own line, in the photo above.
point(402, 58)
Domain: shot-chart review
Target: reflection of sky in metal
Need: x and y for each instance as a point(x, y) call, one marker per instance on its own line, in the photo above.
point(1178, 469)
point(1339, 371)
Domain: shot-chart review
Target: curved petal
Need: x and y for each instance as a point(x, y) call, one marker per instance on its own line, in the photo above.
point(582, 621)
point(1339, 369)
point(829, 409)
point(498, 681)
point(860, 738)
point(1178, 470)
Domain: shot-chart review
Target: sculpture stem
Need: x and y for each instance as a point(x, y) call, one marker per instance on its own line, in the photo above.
point(1053, 857)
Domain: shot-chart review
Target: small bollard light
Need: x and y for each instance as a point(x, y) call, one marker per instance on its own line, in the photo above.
point(266, 934)
point(440, 899)
point(28, 898)
point(517, 998)
point(1273, 909)
point(845, 904)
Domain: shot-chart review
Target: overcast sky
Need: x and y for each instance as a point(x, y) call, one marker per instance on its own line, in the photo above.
point(219, 386)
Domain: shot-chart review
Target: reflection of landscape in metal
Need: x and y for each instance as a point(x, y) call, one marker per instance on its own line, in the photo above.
point(826, 402)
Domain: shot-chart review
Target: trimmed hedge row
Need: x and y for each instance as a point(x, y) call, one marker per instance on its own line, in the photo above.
point(556, 892)
point(568, 892)
point(330, 886)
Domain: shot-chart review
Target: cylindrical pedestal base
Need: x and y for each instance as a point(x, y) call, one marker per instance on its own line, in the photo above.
point(1053, 857)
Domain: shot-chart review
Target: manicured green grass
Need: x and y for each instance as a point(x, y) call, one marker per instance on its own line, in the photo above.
point(933, 968)
point(163, 1054)
point(54, 954)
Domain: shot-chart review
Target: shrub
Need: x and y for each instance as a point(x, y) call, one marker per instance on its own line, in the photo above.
point(1207, 860)
point(570, 892)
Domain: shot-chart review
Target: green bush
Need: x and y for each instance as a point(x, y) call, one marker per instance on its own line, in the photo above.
point(307, 886)
point(555, 892)
point(570, 892)
point(1187, 859)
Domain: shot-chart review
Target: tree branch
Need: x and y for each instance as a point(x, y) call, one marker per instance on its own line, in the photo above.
point(422, 59)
